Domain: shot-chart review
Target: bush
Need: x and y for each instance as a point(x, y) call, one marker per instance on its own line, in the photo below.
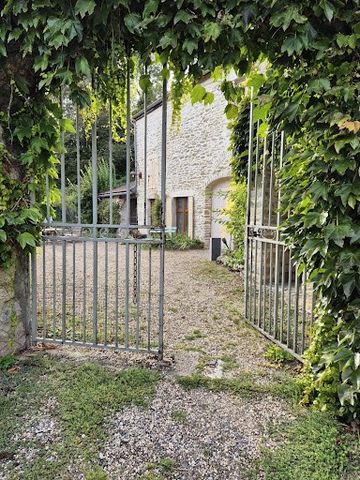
point(156, 213)
point(234, 222)
point(182, 242)
point(233, 259)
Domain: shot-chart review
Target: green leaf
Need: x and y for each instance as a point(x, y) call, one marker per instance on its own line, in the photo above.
point(145, 82)
point(150, 8)
point(211, 31)
point(82, 67)
point(3, 52)
point(286, 16)
point(209, 98)
point(320, 190)
point(84, 7)
point(292, 45)
point(168, 39)
point(346, 40)
point(190, 45)
point(132, 22)
point(256, 80)
point(315, 218)
point(328, 9)
point(183, 16)
point(337, 233)
point(3, 236)
point(67, 125)
point(231, 111)
point(165, 73)
point(319, 85)
point(26, 239)
point(197, 93)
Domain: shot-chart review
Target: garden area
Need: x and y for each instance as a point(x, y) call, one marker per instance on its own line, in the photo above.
point(124, 352)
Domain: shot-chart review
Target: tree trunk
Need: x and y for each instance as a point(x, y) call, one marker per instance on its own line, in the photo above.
point(15, 305)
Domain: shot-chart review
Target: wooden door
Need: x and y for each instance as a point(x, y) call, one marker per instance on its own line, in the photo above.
point(182, 215)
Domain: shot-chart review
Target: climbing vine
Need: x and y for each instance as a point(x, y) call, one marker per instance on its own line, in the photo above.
point(313, 48)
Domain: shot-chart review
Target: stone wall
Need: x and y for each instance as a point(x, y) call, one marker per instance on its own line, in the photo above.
point(197, 156)
point(15, 306)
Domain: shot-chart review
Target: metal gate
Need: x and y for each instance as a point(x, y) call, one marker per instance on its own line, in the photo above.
point(101, 283)
point(278, 301)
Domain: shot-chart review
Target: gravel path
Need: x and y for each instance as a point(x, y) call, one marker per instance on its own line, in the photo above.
point(192, 434)
point(204, 435)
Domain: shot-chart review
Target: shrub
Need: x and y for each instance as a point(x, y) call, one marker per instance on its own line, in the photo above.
point(277, 354)
point(182, 242)
point(233, 259)
point(156, 213)
point(234, 213)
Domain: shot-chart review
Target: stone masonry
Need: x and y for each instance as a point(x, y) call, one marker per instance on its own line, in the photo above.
point(197, 158)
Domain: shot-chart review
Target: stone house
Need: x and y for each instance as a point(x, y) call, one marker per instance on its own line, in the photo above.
point(198, 169)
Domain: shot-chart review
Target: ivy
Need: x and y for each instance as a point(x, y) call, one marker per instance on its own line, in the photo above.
point(312, 88)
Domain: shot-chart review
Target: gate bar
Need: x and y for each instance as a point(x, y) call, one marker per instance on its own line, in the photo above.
point(95, 221)
point(163, 215)
point(248, 198)
point(145, 148)
point(78, 165)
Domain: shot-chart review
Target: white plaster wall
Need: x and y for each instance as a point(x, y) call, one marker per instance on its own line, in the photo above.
point(197, 155)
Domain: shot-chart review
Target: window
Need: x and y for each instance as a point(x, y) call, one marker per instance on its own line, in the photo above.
point(182, 215)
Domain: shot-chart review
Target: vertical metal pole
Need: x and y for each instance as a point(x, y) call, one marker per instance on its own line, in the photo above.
point(94, 221)
point(74, 291)
point(282, 295)
point(34, 295)
point(116, 294)
point(248, 200)
point(288, 327)
point(78, 165)
point(63, 301)
point(128, 143)
point(127, 295)
point(63, 219)
point(47, 189)
point(262, 249)
point(296, 311)
point(149, 300)
point(106, 291)
point(251, 276)
point(270, 224)
point(62, 167)
point(257, 156)
point(163, 216)
point(43, 290)
point(304, 316)
point(138, 298)
point(111, 162)
point(145, 151)
point(54, 289)
point(282, 137)
point(84, 293)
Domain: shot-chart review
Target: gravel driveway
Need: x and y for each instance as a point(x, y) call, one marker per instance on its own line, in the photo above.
point(193, 433)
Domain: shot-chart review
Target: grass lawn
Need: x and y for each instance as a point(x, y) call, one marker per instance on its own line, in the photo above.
point(83, 396)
